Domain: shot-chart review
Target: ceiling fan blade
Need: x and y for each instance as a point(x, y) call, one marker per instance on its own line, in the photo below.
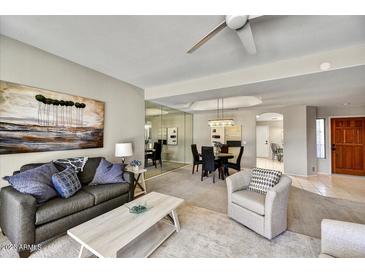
point(245, 34)
point(208, 36)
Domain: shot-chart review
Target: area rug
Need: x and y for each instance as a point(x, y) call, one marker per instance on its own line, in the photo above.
point(204, 233)
point(305, 209)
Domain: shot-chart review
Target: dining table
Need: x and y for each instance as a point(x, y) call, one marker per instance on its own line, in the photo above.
point(222, 158)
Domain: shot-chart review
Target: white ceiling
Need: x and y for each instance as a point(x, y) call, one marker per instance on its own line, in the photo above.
point(330, 88)
point(150, 50)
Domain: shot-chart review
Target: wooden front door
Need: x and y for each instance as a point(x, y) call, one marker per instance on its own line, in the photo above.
point(348, 145)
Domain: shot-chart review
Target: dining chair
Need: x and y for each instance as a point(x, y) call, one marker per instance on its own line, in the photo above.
point(155, 155)
point(236, 165)
point(196, 158)
point(209, 164)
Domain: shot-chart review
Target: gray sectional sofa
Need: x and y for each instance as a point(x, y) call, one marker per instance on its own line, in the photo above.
point(27, 223)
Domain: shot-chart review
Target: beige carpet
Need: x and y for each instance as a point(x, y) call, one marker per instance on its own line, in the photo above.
point(166, 167)
point(204, 233)
point(305, 209)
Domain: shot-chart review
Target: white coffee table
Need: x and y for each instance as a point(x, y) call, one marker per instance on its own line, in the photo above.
point(119, 233)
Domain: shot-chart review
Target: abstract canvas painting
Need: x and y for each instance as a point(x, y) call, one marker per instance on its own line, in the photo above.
point(34, 119)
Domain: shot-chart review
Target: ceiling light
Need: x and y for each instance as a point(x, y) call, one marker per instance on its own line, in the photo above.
point(220, 121)
point(325, 66)
point(257, 116)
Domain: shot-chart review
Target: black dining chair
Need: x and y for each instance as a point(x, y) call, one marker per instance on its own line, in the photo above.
point(155, 155)
point(209, 164)
point(196, 158)
point(236, 165)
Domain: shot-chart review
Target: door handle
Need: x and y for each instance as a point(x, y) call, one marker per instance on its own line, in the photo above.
point(333, 147)
point(266, 142)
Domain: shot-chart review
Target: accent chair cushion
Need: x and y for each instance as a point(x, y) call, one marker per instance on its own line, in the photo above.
point(263, 179)
point(36, 182)
point(58, 207)
point(108, 173)
point(250, 200)
point(66, 182)
point(104, 193)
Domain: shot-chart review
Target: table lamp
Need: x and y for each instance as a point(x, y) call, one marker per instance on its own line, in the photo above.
point(123, 150)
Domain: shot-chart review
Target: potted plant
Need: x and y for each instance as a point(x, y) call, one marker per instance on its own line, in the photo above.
point(135, 165)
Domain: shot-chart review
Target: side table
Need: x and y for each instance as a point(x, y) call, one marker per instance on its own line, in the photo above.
point(139, 174)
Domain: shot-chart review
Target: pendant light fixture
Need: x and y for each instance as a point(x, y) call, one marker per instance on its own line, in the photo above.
point(220, 121)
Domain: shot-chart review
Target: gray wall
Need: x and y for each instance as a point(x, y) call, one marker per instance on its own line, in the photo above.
point(324, 165)
point(124, 103)
point(311, 141)
point(296, 156)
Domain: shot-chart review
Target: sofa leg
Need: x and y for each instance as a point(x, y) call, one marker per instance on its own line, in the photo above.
point(24, 253)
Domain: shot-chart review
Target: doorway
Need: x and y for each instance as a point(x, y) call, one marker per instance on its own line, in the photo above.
point(348, 145)
point(270, 141)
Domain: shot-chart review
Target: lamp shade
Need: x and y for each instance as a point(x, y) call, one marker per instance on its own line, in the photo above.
point(123, 150)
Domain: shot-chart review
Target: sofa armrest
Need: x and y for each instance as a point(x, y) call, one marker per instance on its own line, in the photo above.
point(238, 181)
point(129, 177)
point(276, 207)
point(17, 216)
point(342, 239)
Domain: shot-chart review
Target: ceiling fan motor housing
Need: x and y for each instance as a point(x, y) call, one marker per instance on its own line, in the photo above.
point(236, 22)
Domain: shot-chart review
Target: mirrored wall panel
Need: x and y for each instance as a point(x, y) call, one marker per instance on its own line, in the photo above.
point(168, 139)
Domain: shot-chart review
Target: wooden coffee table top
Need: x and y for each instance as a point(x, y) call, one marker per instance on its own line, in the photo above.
point(106, 234)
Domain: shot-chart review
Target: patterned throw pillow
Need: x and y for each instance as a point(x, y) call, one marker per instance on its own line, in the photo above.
point(66, 182)
point(36, 182)
point(76, 163)
point(108, 173)
point(263, 179)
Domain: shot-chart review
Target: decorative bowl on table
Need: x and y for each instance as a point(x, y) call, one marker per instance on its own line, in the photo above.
point(138, 209)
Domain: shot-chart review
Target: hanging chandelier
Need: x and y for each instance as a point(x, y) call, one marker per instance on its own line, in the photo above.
point(220, 121)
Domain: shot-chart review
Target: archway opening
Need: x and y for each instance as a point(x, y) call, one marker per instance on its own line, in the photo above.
point(270, 150)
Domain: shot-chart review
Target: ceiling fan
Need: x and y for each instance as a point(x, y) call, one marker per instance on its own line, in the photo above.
point(238, 23)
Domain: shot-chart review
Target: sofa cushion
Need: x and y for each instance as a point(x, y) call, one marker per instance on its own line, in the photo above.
point(263, 179)
point(87, 174)
point(36, 182)
point(108, 173)
point(66, 182)
point(59, 207)
point(250, 200)
point(103, 193)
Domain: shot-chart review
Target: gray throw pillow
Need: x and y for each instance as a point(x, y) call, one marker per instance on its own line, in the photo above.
point(66, 182)
point(263, 179)
point(108, 173)
point(36, 182)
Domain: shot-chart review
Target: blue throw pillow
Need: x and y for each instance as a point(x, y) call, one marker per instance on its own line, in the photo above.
point(108, 173)
point(36, 182)
point(66, 182)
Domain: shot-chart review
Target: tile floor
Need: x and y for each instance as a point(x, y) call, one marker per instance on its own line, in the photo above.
point(338, 186)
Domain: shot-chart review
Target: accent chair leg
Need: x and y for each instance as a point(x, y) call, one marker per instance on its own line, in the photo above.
point(201, 178)
point(193, 169)
point(214, 177)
